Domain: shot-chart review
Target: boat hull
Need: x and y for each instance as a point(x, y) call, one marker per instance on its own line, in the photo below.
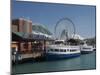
point(51, 56)
point(86, 52)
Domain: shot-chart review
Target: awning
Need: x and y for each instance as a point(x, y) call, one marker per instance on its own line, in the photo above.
point(20, 36)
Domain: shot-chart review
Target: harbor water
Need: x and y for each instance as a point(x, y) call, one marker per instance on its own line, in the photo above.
point(84, 62)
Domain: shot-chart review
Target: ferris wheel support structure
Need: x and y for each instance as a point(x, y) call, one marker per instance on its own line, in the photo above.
point(66, 19)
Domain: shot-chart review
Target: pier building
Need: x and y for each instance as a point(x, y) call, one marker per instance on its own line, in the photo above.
point(28, 40)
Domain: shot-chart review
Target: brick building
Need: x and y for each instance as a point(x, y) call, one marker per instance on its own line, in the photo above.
point(22, 25)
point(23, 38)
point(19, 28)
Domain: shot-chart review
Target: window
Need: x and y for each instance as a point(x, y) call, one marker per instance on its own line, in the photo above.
point(64, 50)
point(13, 50)
point(68, 50)
point(86, 48)
point(72, 50)
point(56, 50)
point(51, 50)
point(61, 50)
point(25, 45)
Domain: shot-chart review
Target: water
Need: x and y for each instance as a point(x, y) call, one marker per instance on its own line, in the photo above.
point(84, 62)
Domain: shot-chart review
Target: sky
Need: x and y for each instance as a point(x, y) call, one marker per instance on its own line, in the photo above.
point(48, 14)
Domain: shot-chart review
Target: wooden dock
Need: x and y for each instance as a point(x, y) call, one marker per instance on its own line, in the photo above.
point(33, 56)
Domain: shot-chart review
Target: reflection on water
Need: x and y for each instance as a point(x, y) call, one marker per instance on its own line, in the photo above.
point(83, 62)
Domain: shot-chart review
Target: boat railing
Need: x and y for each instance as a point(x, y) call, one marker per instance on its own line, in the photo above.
point(69, 46)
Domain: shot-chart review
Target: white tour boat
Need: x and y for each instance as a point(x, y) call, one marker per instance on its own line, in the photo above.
point(59, 51)
point(86, 49)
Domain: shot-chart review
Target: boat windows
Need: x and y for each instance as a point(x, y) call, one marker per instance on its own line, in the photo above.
point(86, 48)
point(72, 50)
point(62, 50)
point(56, 50)
point(51, 49)
point(68, 50)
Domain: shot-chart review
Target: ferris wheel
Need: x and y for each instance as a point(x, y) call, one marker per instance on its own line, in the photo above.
point(64, 29)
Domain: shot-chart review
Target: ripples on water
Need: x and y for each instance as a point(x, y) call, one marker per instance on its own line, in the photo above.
point(84, 62)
